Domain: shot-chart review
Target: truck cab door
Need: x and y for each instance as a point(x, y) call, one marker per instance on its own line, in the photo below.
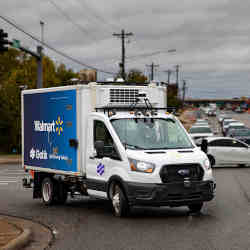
point(98, 167)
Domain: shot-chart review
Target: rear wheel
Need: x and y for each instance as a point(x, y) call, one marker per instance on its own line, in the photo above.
point(48, 191)
point(119, 201)
point(195, 208)
point(62, 194)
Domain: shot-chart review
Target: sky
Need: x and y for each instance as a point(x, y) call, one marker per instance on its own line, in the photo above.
point(211, 38)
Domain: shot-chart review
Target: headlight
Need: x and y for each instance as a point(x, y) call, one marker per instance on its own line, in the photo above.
point(206, 164)
point(141, 166)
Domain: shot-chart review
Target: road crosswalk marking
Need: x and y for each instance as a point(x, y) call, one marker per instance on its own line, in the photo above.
point(10, 176)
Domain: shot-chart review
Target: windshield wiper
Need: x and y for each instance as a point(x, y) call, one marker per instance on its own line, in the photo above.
point(134, 146)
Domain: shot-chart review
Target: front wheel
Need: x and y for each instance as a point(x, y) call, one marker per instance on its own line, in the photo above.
point(195, 208)
point(119, 201)
point(211, 160)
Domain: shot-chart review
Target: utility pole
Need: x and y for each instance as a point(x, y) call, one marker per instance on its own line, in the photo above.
point(169, 74)
point(39, 58)
point(183, 91)
point(177, 75)
point(123, 35)
point(152, 67)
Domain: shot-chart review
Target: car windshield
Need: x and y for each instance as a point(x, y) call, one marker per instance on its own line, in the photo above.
point(200, 130)
point(151, 133)
point(229, 121)
point(236, 127)
point(241, 132)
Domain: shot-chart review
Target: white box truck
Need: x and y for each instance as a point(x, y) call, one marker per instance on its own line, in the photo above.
point(111, 141)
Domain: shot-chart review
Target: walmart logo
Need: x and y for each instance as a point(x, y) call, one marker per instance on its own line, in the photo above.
point(54, 126)
point(59, 124)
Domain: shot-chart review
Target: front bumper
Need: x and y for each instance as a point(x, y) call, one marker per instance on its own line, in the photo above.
point(172, 194)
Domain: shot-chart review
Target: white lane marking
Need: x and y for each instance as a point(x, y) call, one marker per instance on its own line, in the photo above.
point(12, 170)
point(8, 181)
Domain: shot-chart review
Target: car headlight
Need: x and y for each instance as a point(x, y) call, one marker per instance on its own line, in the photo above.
point(206, 164)
point(141, 166)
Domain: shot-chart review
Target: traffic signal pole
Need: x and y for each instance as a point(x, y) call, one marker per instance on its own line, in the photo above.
point(39, 58)
point(4, 42)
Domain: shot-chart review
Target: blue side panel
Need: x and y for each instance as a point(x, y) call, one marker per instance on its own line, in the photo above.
point(49, 124)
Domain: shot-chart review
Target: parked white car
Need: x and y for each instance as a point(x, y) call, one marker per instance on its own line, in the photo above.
point(227, 151)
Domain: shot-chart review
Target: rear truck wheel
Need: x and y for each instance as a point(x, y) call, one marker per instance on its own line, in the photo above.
point(241, 165)
point(62, 194)
point(119, 201)
point(195, 208)
point(48, 191)
point(211, 160)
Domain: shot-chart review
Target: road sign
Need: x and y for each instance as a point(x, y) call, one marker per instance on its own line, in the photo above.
point(16, 43)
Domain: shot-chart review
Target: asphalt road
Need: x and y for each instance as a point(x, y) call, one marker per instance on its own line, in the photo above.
point(89, 224)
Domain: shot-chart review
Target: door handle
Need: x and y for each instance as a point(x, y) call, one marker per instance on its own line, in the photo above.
point(91, 157)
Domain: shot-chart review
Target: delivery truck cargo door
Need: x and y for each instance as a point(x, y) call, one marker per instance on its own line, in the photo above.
point(50, 130)
point(99, 168)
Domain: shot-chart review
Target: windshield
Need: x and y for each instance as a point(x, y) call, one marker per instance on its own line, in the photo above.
point(200, 130)
point(241, 132)
point(148, 133)
point(229, 121)
point(237, 127)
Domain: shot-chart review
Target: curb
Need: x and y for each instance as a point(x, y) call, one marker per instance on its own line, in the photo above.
point(20, 241)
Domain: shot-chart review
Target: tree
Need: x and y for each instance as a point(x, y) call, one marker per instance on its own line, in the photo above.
point(18, 68)
point(10, 110)
point(65, 75)
point(136, 76)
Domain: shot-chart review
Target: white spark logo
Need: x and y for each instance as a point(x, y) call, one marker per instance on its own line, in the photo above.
point(32, 153)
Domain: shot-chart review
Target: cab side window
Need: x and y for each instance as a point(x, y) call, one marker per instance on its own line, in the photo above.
point(101, 133)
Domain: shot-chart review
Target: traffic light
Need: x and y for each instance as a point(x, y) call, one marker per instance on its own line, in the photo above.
point(3, 41)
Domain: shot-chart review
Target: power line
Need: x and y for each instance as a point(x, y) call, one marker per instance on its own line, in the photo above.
point(53, 49)
point(96, 15)
point(150, 54)
point(80, 27)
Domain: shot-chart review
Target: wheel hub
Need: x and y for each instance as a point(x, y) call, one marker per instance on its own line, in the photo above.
point(116, 202)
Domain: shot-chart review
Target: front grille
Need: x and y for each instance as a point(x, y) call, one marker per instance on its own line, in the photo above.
point(123, 96)
point(179, 173)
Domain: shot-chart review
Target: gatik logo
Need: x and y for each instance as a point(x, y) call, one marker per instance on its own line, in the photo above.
point(37, 154)
point(32, 153)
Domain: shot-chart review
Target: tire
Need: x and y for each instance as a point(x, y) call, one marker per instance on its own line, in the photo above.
point(48, 191)
point(241, 165)
point(119, 201)
point(212, 160)
point(195, 208)
point(62, 194)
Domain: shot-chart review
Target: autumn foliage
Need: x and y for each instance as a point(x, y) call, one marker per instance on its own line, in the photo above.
point(17, 70)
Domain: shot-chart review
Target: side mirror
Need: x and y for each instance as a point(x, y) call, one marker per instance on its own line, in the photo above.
point(204, 145)
point(99, 146)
